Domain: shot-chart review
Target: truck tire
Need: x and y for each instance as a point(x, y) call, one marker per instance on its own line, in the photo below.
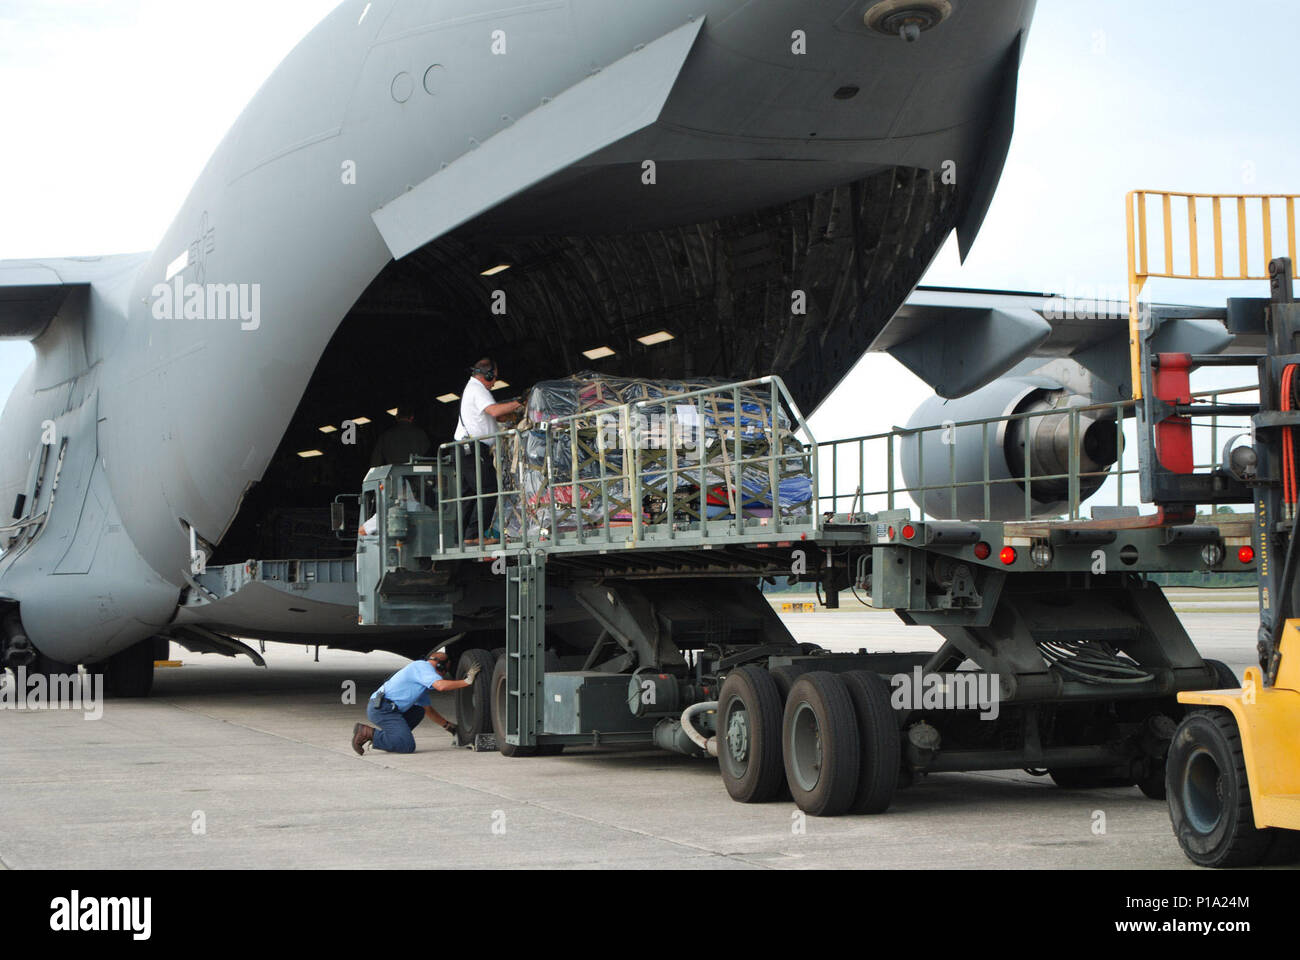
point(1227, 679)
point(820, 744)
point(881, 742)
point(497, 698)
point(785, 678)
point(749, 735)
point(474, 703)
point(1209, 794)
point(129, 674)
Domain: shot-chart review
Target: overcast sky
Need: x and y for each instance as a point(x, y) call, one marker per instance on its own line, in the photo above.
point(110, 108)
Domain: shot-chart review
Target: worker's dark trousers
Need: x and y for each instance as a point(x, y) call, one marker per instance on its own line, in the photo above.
point(393, 727)
point(482, 453)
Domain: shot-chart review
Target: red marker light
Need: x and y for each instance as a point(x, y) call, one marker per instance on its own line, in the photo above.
point(909, 532)
point(891, 533)
point(1007, 555)
point(982, 550)
point(1246, 554)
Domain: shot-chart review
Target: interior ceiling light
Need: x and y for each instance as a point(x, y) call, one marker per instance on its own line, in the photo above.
point(653, 339)
point(449, 398)
point(499, 268)
point(392, 412)
point(598, 353)
point(328, 428)
point(500, 385)
point(360, 421)
point(308, 454)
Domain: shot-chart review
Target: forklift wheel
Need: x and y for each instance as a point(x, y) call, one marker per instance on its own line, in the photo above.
point(1209, 794)
point(749, 736)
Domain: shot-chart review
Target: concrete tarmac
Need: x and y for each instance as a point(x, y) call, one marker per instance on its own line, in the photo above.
point(233, 766)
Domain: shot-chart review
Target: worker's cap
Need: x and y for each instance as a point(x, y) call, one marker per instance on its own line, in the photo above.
point(436, 655)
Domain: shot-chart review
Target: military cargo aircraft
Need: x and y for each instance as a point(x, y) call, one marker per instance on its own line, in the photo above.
point(422, 182)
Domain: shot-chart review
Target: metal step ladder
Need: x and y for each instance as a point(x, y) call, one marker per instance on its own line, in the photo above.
point(525, 648)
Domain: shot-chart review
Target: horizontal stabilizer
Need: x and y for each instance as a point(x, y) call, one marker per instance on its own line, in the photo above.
point(958, 340)
point(604, 108)
point(26, 310)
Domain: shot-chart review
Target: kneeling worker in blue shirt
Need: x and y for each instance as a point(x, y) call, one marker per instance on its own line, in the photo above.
point(397, 707)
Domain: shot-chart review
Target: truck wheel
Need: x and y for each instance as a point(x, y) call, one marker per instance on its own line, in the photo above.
point(474, 703)
point(749, 735)
point(1153, 786)
point(880, 740)
point(1209, 795)
point(499, 697)
point(820, 744)
point(1225, 677)
point(129, 674)
point(785, 678)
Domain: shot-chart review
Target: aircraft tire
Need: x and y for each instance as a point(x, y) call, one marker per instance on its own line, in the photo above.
point(129, 674)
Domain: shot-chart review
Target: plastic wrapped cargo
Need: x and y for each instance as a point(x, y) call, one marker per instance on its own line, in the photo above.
point(592, 450)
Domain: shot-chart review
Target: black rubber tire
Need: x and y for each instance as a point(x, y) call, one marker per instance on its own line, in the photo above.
point(474, 704)
point(785, 678)
point(497, 718)
point(1227, 679)
point(129, 674)
point(820, 744)
point(1153, 787)
point(1209, 795)
point(498, 699)
point(750, 698)
point(881, 742)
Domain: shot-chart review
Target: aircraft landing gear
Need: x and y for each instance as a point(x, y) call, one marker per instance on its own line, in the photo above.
point(129, 674)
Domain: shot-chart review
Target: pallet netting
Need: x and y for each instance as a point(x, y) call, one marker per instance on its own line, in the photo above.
point(640, 446)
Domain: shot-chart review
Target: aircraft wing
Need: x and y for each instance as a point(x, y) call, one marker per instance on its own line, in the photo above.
point(960, 340)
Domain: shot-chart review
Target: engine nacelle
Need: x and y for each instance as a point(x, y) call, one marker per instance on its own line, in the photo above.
point(957, 453)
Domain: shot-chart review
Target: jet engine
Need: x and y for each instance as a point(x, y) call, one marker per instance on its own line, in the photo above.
point(948, 456)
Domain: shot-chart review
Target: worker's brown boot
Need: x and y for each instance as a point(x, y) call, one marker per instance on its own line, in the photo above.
point(361, 735)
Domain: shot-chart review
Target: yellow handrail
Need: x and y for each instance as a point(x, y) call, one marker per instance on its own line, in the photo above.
point(1141, 269)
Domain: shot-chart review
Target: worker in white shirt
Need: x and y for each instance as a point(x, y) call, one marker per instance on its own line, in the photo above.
point(479, 418)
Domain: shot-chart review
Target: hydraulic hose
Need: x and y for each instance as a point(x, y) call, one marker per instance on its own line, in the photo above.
point(708, 745)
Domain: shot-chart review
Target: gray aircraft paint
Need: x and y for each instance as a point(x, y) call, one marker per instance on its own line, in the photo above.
point(169, 423)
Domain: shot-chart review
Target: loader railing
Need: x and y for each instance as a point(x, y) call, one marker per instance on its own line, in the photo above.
point(863, 475)
point(1261, 223)
point(721, 464)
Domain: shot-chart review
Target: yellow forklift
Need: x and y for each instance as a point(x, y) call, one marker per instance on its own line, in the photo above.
point(1232, 774)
